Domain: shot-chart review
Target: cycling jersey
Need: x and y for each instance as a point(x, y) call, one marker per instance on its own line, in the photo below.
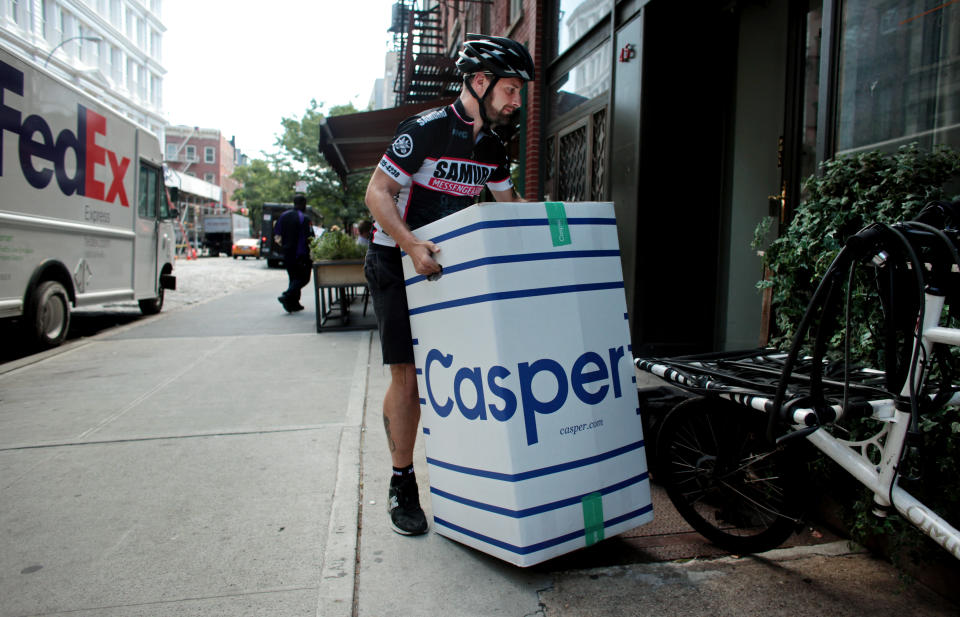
point(439, 166)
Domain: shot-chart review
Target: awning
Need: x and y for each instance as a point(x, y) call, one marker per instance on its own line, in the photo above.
point(357, 141)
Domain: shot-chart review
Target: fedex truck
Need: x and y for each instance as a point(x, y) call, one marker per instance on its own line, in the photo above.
point(84, 217)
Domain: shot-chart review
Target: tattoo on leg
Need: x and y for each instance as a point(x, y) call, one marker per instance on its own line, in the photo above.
point(390, 441)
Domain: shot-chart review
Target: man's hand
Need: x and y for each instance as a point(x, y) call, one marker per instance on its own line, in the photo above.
point(421, 252)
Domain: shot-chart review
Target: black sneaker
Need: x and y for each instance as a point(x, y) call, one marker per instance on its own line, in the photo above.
point(406, 515)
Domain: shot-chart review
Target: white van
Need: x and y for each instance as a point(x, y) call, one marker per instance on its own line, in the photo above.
point(84, 217)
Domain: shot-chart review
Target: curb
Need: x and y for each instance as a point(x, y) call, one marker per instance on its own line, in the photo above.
point(339, 566)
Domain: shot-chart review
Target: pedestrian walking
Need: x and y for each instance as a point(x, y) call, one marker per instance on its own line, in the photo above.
point(450, 154)
point(295, 231)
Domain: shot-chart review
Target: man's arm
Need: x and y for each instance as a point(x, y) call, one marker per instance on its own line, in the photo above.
point(507, 195)
point(380, 200)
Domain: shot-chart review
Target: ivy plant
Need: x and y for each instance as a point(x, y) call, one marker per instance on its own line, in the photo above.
point(849, 193)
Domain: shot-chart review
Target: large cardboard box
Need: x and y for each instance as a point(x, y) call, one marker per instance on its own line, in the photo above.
point(527, 387)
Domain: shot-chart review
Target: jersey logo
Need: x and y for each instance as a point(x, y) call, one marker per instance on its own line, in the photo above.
point(403, 145)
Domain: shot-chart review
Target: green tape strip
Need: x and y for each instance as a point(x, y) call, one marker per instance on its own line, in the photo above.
point(593, 517)
point(559, 230)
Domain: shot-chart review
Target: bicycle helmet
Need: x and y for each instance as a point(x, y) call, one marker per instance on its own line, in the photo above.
point(497, 55)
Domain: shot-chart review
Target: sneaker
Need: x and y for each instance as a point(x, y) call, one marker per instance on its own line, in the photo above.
point(406, 515)
point(286, 306)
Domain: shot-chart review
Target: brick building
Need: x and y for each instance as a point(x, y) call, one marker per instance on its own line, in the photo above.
point(205, 154)
point(697, 119)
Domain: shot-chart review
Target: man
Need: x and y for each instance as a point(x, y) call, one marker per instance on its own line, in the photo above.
point(414, 185)
point(295, 231)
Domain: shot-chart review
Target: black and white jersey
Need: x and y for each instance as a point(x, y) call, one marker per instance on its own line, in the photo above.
point(440, 168)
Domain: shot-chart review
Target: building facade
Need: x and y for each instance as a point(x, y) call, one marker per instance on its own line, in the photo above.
point(205, 154)
point(698, 119)
point(111, 49)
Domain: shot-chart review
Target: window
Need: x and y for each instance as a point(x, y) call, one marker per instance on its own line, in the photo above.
point(16, 12)
point(171, 152)
point(588, 79)
point(575, 18)
point(131, 75)
point(115, 13)
point(141, 33)
point(147, 207)
point(516, 10)
point(155, 45)
point(209, 177)
point(156, 98)
point(898, 80)
point(209, 154)
point(116, 65)
point(191, 152)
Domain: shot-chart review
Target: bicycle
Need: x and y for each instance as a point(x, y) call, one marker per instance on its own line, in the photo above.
point(727, 457)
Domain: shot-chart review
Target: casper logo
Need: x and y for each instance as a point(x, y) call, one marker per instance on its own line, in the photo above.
point(36, 141)
point(588, 379)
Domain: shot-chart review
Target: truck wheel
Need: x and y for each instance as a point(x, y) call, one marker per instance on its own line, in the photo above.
point(48, 315)
point(152, 306)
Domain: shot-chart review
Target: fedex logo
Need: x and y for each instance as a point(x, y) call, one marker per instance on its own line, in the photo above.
point(592, 377)
point(42, 156)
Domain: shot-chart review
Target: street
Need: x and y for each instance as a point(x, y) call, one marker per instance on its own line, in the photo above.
point(223, 458)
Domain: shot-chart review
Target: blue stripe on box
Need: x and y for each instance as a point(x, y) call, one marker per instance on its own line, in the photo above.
point(547, 507)
point(519, 258)
point(515, 223)
point(416, 341)
point(519, 293)
point(536, 473)
point(426, 431)
point(423, 402)
point(419, 371)
point(539, 546)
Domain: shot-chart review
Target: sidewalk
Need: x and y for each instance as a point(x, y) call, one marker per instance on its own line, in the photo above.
point(164, 469)
point(432, 575)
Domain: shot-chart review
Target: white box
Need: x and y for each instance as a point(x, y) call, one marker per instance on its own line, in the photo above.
point(527, 387)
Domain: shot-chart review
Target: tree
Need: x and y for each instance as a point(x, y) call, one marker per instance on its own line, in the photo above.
point(340, 203)
point(272, 179)
point(264, 181)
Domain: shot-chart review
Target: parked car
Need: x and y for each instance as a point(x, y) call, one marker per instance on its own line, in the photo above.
point(246, 247)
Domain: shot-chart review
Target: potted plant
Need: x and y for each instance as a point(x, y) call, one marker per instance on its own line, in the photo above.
point(337, 259)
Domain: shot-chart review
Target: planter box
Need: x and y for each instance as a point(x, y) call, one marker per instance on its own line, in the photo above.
point(528, 393)
point(339, 273)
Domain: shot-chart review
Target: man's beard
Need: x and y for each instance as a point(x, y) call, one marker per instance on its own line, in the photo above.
point(497, 118)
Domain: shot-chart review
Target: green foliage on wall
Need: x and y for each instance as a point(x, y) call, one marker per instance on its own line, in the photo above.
point(849, 193)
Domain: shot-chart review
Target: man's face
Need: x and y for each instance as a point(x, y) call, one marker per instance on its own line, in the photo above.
point(504, 100)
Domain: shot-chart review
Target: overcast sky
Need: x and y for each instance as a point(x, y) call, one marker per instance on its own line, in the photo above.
point(240, 66)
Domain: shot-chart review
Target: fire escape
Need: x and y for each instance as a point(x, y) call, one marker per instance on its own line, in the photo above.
point(424, 70)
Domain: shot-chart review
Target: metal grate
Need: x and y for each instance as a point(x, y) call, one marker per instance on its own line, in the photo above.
point(551, 158)
point(599, 160)
point(573, 166)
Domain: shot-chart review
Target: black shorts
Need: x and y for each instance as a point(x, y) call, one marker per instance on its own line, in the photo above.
point(384, 272)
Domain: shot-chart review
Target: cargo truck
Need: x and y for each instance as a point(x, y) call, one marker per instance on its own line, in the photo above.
point(84, 217)
point(221, 231)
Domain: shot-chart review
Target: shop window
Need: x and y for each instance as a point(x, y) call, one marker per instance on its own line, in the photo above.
point(586, 80)
point(899, 75)
point(575, 18)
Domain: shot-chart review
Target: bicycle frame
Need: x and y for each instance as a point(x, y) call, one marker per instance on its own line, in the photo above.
point(797, 404)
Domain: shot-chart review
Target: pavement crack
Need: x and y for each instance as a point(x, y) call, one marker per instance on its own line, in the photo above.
point(66, 444)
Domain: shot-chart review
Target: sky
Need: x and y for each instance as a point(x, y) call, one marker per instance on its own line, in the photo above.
point(240, 66)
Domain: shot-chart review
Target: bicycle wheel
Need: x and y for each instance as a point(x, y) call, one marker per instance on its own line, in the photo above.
point(724, 478)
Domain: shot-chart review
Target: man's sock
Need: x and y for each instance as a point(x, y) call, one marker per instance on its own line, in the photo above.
point(401, 474)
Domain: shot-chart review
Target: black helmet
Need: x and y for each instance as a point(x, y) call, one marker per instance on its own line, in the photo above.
point(500, 56)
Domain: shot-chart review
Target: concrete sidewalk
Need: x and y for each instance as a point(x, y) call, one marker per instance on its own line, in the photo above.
point(432, 575)
point(192, 465)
